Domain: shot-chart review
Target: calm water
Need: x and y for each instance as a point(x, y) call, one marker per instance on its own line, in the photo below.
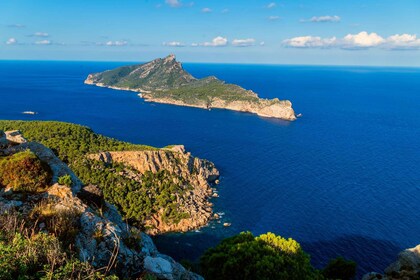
point(342, 180)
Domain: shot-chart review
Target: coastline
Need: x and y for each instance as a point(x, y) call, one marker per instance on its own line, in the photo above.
point(277, 111)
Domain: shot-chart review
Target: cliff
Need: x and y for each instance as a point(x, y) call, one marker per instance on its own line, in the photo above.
point(192, 174)
point(406, 267)
point(165, 81)
point(101, 238)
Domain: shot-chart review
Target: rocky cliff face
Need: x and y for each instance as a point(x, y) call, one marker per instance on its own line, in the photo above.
point(197, 173)
point(103, 238)
point(407, 267)
point(165, 81)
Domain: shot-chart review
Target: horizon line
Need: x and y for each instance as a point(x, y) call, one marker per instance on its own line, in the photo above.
point(221, 63)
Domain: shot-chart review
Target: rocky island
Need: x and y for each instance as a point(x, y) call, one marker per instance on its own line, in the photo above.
point(164, 80)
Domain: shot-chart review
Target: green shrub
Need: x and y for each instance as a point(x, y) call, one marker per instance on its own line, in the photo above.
point(65, 180)
point(340, 268)
point(24, 172)
point(247, 257)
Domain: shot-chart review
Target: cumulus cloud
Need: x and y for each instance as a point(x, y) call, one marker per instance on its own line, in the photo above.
point(362, 40)
point(206, 10)
point(273, 18)
point(310, 42)
point(43, 42)
point(174, 44)
point(403, 42)
point(323, 19)
point(11, 41)
point(271, 5)
point(243, 42)
point(218, 41)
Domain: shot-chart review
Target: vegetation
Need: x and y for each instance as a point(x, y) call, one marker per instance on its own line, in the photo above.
point(27, 253)
point(267, 256)
point(24, 172)
point(136, 200)
point(65, 180)
point(165, 78)
point(340, 268)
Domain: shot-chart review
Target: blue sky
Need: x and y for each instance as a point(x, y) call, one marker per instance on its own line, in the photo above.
point(335, 32)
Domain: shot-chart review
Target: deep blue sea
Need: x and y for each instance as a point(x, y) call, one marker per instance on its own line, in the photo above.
point(342, 180)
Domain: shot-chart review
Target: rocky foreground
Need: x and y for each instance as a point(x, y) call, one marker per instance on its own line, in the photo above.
point(165, 81)
point(406, 267)
point(103, 237)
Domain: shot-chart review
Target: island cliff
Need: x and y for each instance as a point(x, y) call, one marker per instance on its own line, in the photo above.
point(165, 81)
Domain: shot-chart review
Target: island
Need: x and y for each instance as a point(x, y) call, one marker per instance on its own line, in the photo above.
point(164, 80)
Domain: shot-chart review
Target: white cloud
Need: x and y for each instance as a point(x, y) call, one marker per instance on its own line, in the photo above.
point(41, 34)
point(362, 40)
point(206, 10)
point(218, 41)
point(243, 42)
point(116, 43)
point(273, 18)
point(262, 43)
point(323, 19)
point(43, 42)
point(195, 45)
point(11, 41)
point(309, 42)
point(173, 3)
point(174, 44)
point(224, 11)
point(403, 42)
point(271, 5)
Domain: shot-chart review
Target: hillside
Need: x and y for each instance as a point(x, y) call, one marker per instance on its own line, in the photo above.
point(165, 81)
point(158, 190)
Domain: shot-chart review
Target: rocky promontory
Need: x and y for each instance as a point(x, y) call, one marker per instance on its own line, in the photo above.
point(79, 215)
point(194, 175)
point(164, 80)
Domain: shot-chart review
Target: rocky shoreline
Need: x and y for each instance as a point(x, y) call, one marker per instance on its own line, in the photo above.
point(264, 108)
point(199, 174)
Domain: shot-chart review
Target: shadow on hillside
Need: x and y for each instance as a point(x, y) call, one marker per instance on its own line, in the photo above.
point(369, 254)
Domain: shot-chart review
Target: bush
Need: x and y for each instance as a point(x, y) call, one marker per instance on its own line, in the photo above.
point(264, 257)
point(24, 172)
point(65, 180)
point(340, 268)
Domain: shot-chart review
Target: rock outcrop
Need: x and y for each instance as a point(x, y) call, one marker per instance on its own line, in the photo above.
point(165, 81)
point(197, 173)
point(103, 238)
point(44, 154)
point(406, 267)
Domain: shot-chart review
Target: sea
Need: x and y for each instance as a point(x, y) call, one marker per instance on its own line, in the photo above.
point(342, 180)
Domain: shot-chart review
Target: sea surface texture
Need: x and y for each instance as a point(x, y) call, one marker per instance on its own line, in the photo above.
point(344, 179)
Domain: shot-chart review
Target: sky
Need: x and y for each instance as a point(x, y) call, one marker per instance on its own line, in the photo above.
point(322, 32)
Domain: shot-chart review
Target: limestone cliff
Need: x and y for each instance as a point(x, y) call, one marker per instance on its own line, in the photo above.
point(406, 267)
point(102, 239)
point(165, 81)
point(196, 173)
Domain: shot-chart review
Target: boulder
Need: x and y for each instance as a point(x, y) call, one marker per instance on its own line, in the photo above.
point(15, 136)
